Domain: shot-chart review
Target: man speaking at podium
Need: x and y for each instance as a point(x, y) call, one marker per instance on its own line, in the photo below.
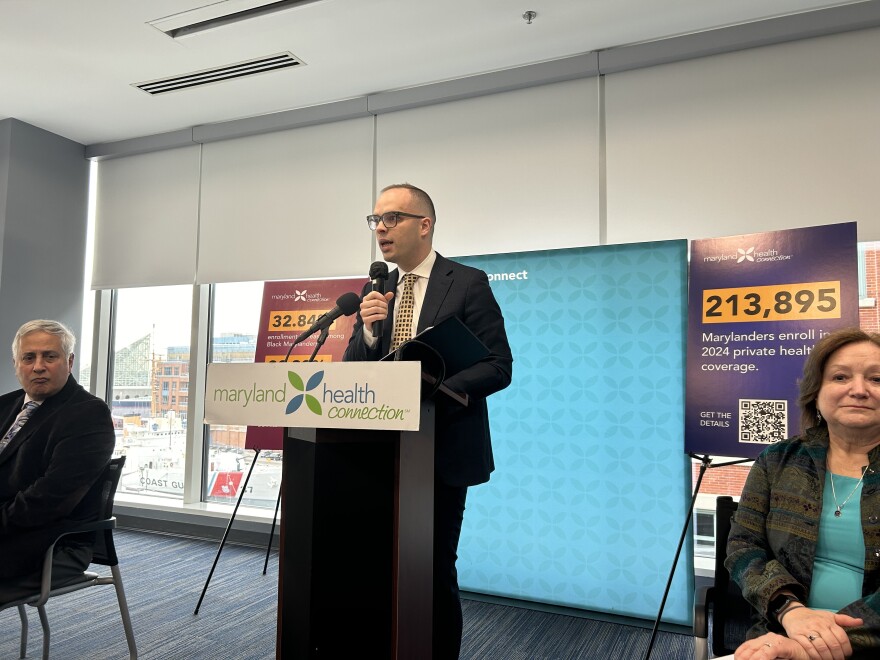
point(424, 289)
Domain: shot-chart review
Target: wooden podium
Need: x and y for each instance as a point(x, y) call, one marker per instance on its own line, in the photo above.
point(355, 573)
point(356, 561)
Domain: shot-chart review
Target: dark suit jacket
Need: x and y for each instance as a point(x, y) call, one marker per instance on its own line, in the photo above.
point(48, 468)
point(463, 450)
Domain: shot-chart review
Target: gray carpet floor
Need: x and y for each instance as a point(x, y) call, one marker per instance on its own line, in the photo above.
point(164, 576)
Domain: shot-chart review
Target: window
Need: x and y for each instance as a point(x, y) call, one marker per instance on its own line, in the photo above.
point(869, 285)
point(704, 533)
point(863, 280)
point(153, 433)
point(236, 311)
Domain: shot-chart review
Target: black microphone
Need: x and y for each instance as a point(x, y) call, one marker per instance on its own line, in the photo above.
point(378, 276)
point(346, 305)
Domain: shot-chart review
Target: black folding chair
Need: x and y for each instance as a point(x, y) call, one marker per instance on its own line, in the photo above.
point(104, 553)
point(731, 614)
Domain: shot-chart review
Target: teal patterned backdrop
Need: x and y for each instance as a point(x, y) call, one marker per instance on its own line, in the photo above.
point(592, 484)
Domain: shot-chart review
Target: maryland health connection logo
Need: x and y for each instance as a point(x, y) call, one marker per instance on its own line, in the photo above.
point(748, 255)
point(311, 401)
point(745, 255)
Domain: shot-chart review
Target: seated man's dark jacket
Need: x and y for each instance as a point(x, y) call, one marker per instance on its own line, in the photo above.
point(48, 468)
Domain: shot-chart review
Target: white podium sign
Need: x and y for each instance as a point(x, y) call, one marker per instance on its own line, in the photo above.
point(351, 395)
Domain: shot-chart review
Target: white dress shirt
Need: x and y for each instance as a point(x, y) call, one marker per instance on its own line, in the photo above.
point(423, 270)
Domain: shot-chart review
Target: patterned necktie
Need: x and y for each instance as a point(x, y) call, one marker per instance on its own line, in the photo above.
point(405, 307)
point(23, 417)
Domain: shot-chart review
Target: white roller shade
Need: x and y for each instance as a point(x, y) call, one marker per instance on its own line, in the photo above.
point(771, 138)
point(287, 205)
point(507, 172)
point(146, 219)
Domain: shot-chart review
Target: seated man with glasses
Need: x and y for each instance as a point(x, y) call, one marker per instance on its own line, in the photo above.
point(426, 288)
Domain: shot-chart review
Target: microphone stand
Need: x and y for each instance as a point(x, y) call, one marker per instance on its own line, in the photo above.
point(320, 342)
point(705, 463)
point(294, 343)
point(321, 339)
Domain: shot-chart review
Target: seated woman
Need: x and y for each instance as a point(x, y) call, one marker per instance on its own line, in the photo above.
point(805, 543)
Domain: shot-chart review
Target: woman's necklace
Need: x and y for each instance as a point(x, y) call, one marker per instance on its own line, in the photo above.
point(840, 505)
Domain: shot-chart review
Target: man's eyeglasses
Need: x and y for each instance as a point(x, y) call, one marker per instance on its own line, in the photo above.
point(389, 219)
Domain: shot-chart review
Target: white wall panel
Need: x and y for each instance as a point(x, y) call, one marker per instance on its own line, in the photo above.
point(147, 219)
point(287, 205)
point(770, 138)
point(507, 172)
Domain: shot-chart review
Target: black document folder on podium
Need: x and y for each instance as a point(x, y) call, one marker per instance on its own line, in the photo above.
point(451, 339)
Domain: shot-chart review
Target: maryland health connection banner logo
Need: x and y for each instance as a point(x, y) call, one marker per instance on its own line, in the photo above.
point(355, 395)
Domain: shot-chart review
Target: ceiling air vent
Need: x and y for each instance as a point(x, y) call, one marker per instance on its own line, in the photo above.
point(219, 74)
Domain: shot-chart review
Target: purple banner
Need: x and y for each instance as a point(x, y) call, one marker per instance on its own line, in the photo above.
point(757, 304)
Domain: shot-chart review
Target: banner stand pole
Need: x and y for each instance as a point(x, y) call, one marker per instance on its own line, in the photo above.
point(705, 463)
point(241, 492)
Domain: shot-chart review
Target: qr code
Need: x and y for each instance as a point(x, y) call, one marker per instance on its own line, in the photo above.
point(763, 420)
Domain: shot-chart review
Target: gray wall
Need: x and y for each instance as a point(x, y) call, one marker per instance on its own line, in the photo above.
point(43, 225)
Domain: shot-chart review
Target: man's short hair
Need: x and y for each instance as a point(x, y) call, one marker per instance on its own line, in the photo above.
point(422, 198)
point(68, 339)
